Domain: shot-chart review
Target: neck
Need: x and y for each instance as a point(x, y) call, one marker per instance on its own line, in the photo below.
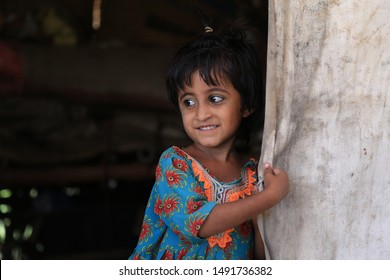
point(220, 154)
point(225, 164)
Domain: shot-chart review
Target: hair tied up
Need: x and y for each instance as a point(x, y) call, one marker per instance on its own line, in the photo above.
point(208, 29)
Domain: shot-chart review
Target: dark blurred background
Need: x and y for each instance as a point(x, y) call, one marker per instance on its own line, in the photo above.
point(84, 117)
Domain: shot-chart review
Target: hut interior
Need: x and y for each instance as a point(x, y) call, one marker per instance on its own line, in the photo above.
point(84, 117)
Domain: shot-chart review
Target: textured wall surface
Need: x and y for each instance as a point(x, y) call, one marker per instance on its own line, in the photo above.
point(328, 124)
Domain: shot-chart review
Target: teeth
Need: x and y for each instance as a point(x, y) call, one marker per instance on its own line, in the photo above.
point(209, 127)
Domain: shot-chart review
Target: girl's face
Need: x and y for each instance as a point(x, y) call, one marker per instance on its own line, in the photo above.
point(211, 114)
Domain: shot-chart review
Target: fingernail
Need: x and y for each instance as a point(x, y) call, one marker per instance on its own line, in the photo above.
point(267, 165)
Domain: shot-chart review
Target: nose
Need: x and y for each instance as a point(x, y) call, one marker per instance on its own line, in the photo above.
point(203, 112)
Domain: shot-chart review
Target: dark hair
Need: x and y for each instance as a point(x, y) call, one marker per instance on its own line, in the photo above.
point(228, 56)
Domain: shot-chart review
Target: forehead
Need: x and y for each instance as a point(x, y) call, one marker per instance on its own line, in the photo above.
point(199, 89)
point(200, 82)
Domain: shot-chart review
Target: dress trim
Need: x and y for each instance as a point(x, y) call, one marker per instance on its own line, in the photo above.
point(210, 185)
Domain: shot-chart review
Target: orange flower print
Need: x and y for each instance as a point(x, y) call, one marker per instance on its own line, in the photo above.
point(208, 251)
point(136, 257)
point(229, 247)
point(184, 242)
point(194, 225)
point(145, 230)
point(193, 206)
point(182, 253)
point(176, 231)
point(180, 152)
point(171, 204)
point(173, 178)
point(198, 189)
point(180, 164)
point(158, 173)
point(168, 255)
point(160, 223)
point(245, 229)
point(159, 206)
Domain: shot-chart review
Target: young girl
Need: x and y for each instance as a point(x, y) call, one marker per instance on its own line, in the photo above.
point(205, 195)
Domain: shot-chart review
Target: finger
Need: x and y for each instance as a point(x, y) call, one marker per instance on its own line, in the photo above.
point(267, 168)
point(276, 171)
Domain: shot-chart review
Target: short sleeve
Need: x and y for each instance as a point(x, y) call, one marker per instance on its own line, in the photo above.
point(181, 202)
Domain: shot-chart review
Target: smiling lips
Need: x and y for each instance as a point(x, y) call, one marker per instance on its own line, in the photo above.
point(207, 127)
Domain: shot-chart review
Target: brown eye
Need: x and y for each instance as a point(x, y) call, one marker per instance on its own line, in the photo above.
point(189, 102)
point(215, 99)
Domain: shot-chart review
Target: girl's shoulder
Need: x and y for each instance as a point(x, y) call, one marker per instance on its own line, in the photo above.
point(174, 156)
point(173, 151)
point(175, 161)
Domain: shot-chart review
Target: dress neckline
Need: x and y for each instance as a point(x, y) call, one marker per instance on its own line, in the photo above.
point(211, 176)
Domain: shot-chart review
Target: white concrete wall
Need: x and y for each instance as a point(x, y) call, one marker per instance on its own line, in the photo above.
point(328, 124)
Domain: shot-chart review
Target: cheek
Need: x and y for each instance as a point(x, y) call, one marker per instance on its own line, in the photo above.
point(234, 119)
point(185, 118)
point(183, 115)
point(234, 113)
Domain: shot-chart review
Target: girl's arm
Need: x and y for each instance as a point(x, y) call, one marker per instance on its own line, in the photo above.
point(259, 244)
point(227, 215)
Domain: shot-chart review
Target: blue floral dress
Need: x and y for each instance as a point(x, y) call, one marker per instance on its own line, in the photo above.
point(182, 197)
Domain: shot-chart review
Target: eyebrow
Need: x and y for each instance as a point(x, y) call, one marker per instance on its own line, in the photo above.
point(218, 89)
point(211, 89)
point(184, 94)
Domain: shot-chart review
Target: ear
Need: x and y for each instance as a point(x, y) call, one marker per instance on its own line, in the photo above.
point(247, 112)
